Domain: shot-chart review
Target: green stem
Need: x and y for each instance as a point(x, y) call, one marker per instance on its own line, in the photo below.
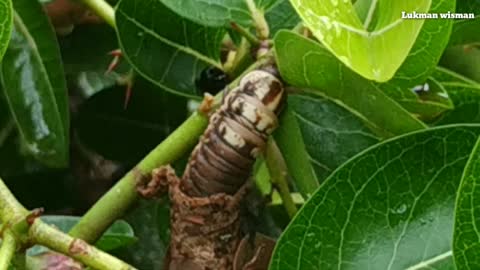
point(46, 235)
point(103, 10)
point(120, 197)
point(10, 209)
point(263, 31)
point(278, 172)
point(245, 33)
point(7, 250)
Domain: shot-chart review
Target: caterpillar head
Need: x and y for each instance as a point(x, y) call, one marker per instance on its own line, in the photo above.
point(265, 87)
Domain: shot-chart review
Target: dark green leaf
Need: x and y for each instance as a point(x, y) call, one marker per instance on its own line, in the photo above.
point(292, 146)
point(317, 136)
point(465, 95)
point(34, 84)
point(281, 16)
point(6, 20)
point(390, 207)
point(216, 13)
point(80, 54)
point(465, 32)
point(466, 238)
point(151, 222)
point(304, 63)
point(165, 48)
point(119, 234)
point(464, 60)
point(152, 113)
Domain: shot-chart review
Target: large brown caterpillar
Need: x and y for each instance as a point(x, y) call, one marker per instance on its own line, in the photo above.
point(236, 134)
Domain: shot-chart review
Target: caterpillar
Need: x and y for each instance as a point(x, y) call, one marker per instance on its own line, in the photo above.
point(237, 132)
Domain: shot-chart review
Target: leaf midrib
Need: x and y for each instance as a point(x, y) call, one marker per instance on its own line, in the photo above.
point(179, 47)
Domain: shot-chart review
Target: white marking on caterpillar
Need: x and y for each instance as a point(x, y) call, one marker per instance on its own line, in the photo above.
point(236, 134)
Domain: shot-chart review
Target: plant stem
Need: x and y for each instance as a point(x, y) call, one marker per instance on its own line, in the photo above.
point(48, 236)
point(118, 199)
point(258, 17)
point(245, 33)
point(278, 171)
point(103, 10)
point(10, 209)
point(7, 250)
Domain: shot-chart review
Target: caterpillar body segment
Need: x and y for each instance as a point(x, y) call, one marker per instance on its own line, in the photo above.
point(236, 134)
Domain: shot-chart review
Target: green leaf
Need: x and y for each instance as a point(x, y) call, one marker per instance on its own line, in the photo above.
point(216, 13)
point(6, 21)
point(427, 100)
point(281, 16)
point(317, 136)
point(151, 115)
point(151, 222)
point(466, 237)
point(390, 207)
point(119, 234)
point(465, 95)
point(165, 48)
point(420, 64)
point(34, 84)
point(465, 32)
point(294, 151)
point(311, 66)
point(376, 54)
point(79, 54)
point(464, 60)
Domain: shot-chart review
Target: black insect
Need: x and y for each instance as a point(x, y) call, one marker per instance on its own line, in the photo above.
point(237, 133)
point(211, 80)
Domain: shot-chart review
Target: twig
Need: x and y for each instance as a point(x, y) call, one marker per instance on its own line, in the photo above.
point(9, 244)
point(103, 10)
point(278, 171)
point(46, 235)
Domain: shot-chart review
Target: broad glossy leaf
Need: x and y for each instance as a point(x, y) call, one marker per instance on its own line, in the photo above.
point(34, 85)
point(317, 136)
point(390, 207)
point(165, 48)
point(119, 234)
point(466, 238)
point(216, 13)
point(6, 20)
point(376, 54)
point(303, 63)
